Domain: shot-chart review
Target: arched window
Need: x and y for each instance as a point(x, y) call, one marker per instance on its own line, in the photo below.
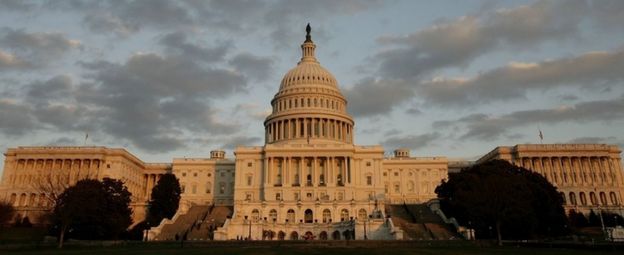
point(362, 214)
point(344, 215)
point(14, 199)
point(326, 216)
point(572, 198)
point(290, 215)
point(614, 200)
point(563, 197)
point(603, 198)
point(42, 200)
point(583, 198)
point(273, 215)
point(22, 201)
point(308, 216)
point(592, 197)
point(208, 187)
point(255, 215)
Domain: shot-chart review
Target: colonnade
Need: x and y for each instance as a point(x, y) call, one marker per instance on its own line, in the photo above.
point(309, 128)
point(584, 180)
point(28, 171)
point(307, 171)
point(572, 170)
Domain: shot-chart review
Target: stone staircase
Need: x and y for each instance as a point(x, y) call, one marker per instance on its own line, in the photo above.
point(178, 229)
point(419, 223)
point(204, 228)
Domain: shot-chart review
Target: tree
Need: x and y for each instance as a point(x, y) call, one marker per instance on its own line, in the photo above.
point(577, 220)
point(6, 212)
point(594, 219)
point(501, 199)
point(165, 199)
point(92, 209)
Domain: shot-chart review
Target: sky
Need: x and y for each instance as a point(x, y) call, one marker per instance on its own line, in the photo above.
point(167, 79)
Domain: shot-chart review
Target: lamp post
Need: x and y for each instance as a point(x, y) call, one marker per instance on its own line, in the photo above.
point(249, 237)
point(604, 231)
point(365, 235)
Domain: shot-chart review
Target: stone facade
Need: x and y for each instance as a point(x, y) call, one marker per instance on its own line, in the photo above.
point(309, 180)
point(589, 176)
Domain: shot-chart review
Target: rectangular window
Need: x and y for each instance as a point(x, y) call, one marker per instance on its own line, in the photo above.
point(248, 196)
point(369, 180)
point(368, 163)
point(249, 164)
point(249, 180)
point(296, 196)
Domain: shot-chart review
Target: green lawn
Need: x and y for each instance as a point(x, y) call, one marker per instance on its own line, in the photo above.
point(171, 249)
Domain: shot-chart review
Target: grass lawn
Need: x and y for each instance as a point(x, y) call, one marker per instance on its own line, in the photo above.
point(174, 249)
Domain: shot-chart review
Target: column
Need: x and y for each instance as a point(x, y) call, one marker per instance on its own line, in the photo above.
point(605, 166)
point(575, 167)
point(616, 165)
point(315, 178)
point(265, 171)
point(330, 171)
point(349, 164)
point(286, 171)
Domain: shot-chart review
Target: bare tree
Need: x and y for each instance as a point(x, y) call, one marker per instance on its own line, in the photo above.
point(52, 183)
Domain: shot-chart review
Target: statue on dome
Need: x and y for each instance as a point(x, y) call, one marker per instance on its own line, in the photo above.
point(308, 30)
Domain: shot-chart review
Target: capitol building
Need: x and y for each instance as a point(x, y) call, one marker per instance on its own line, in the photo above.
point(309, 180)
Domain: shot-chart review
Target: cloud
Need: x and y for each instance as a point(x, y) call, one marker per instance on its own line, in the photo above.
point(405, 62)
point(593, 70)
point(372, 97)
point(411, 141)
point(594, 139)
point(9, 61)
point(235, 141)
point(458, 42)
point(155, 101)
point(177, 44)
point(258, 68)
point(16, 118)
point(37, 49)
point(486, 127)
point(105, 22)
point(17, 5)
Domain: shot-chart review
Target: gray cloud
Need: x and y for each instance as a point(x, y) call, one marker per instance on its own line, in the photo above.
point(373, 97)
point(411, 141)
point(177, 44)
point(33, 49)
point(591, 70)
point(486, 127)
point(17, 5)
point(594, 139)
point(258, 68)
point(106, 22)
point(154, 101)
point(16, 118)
point(457, 43)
